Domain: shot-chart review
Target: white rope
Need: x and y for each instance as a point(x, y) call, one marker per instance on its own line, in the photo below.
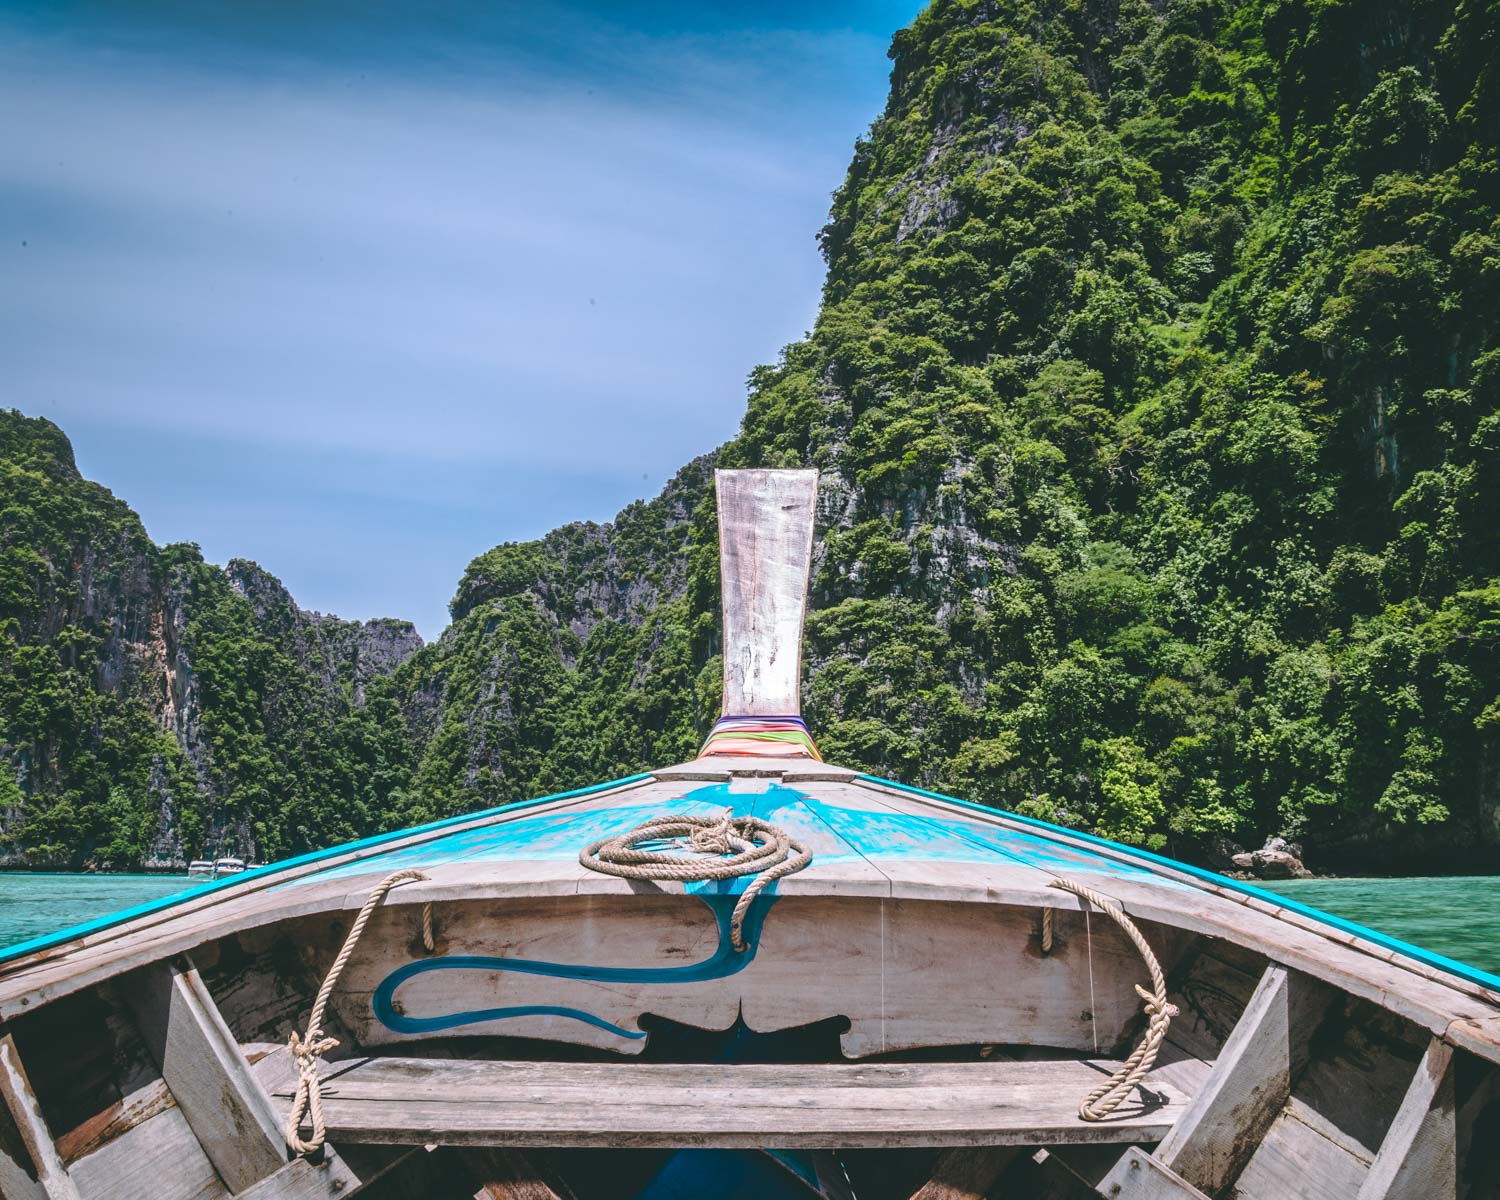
point(307, 1047)
point(1108, 1096)
point(741, 846)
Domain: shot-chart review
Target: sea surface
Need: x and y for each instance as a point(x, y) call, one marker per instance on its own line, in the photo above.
point(36, 903)
point(1458, 916)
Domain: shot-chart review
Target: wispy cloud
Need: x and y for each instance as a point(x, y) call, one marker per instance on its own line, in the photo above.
point(553, 248)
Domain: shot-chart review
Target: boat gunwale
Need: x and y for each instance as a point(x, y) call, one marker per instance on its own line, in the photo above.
point(1429, 1010)
point(212, 892)
point(1479, 983)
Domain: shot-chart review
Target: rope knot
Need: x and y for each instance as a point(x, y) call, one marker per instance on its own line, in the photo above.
point(1156, 1009)
point(305, 1048)
point(313, 1046)
point(744, 846)
point(715, 839)
point(1108, 1096)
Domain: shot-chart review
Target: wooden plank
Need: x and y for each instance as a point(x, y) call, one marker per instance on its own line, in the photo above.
point(1418, 1160)
point(18, 1179)
point(1421, 994)
point(1210, 994)
point(1361, 1070)
point(1249, 1085)
point(820, 1105)
point(1139, 1176)
point(331, 1179)
point(1298, 1160)
point(208, 1076)
point(512, 1175)
point(966, 1172)
point(132, 1166)
point(20, 1100)
point(765, 556)
point(920, 973)
point(28, 982)
point(910, 973)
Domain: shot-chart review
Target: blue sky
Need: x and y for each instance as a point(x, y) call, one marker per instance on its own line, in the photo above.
point(359, 290)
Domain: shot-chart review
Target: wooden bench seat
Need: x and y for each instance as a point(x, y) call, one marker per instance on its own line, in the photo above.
point(461, 1102)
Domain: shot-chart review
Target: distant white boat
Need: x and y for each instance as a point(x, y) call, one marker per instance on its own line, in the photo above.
point(200, 868)
point(228, 866)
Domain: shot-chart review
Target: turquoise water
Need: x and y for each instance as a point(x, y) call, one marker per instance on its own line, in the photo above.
point(1458, 915)
point(33, 904)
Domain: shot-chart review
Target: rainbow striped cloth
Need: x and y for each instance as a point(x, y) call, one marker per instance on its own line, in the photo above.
point(764, 737)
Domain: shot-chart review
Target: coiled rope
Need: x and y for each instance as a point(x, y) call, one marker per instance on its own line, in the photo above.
point(306, 1048)
point(1108, 1096)
point(744, 846)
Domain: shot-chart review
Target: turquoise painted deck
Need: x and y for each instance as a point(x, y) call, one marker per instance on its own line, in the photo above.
point(840, 834)
point(860, 830)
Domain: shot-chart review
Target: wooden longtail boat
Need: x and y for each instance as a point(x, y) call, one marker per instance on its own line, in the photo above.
point(930, 1007)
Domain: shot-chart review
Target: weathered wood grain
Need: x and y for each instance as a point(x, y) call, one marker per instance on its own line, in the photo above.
point(1299, 1160)
point(208, 1076)
point(1210, 994)
point(1362, 1066)
point(18, 1179)
point(462, 1102)
point(765, 555)
point(920, 973)
point(1139, 1176)
point(302, 1179)
point(1418, 1160)
point(905, 974)
point(130, 1167)
point(1249, 1085)
point(113, 1120)
point(26, 1113)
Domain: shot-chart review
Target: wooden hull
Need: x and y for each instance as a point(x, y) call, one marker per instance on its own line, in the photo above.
point(895, 1020)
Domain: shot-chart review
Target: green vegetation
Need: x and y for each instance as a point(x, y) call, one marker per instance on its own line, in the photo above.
point(1156, 392)
point(148, 711)
point(1159, 359)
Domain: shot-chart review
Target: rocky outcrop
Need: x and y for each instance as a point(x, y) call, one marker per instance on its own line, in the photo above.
point(150, 700)
point(1277, 859)
point(340, 653)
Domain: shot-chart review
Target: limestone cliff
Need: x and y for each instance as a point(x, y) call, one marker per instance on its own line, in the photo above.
point(154, 707)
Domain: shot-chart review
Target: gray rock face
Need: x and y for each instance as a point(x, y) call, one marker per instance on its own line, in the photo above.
point(335, 650)
point(1277, 859)
point(120, 618)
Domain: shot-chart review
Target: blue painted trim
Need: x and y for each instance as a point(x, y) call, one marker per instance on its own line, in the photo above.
point(153, 906)
point(723, 962)
point(453, 1020)
point(1431, 958)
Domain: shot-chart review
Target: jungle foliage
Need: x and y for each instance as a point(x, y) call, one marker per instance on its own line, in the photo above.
point(1156, 396)
point(154, 707)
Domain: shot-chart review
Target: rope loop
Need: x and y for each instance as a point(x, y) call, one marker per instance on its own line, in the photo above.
point(736, 845)
point(306, 1048)
point(1108, 1096)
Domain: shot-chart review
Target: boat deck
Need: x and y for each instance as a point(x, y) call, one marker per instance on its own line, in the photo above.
point(460, 1102)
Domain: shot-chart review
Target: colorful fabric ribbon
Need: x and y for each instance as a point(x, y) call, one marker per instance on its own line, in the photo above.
point(761, 737)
